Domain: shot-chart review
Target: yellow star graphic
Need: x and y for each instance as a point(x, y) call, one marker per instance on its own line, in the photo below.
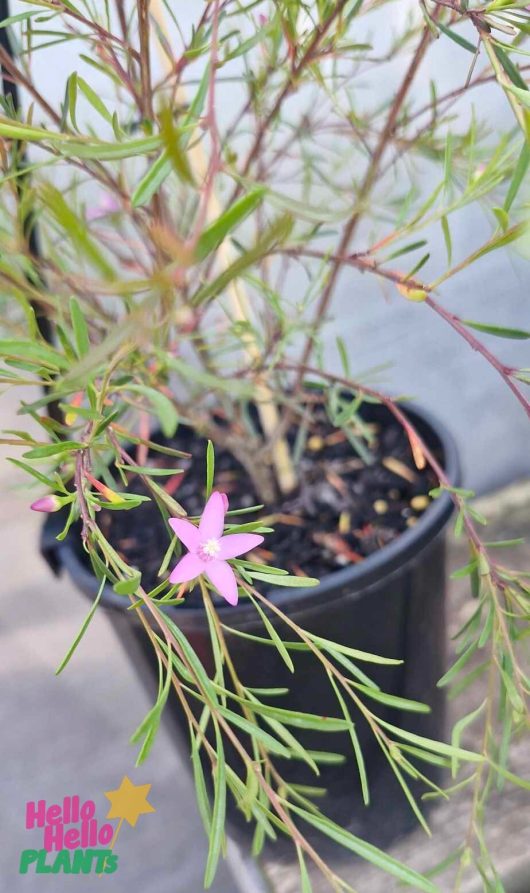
point(129, 801)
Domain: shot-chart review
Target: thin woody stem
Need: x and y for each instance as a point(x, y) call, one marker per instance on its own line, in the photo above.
point(364, 191)
point(145, 60)
point(504, 371)
point(365, 263)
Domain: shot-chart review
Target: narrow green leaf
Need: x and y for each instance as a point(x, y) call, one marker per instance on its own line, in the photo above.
point(32, 352)
point(393, 700)
point(48, 482)
point(327, 758)
point(500, 331)
point(100, 151)
point(172, 140)
point(503, 218)
point(285, 580)
point(255, 732)
point(459, 663)
point(129, 586)
point(151, 722)
point(275, 234)
point(432, 745)
point(22, 17)
point(518, 176)
point(160, 170)
point(514, 233)
point(352, 652)
point(304, 875)
point(292, 646)
point(367, 851)
point(412, 246)
point(510, 68)
point(355, 742)
point(210, 468)
point(297, 751)
point(203, 802)
point(80, 328)
point(195, 664)
point(71, 92)
point(53, 449)
point(165, 410)
point(447, 238)
point(295, 718)
point(284, 654)
point(152, 180)
point(214, 234)
point(95, 101)
point(458, 729)
point(457, 38)
point(82, 630)
point(218, 813)
point(522, 95)
point(151, 470)
point(75, 228)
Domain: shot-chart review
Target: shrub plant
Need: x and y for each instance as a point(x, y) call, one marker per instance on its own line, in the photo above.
point(173, 232)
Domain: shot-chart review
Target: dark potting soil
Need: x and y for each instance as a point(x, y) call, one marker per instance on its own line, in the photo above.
point(343, 510)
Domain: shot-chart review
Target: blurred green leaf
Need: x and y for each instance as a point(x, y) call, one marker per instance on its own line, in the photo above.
point(510, 68)
point(500, 331)
point(75, 229)
point(172, 141)
point(53, 449)
point(129, 586)
point(80, 327)
point(456, 38)
point(165, 410)
point(95, 101)
point(285, 580)
point(275, 234)
point(518, 176)
point(210, 468)
point(32, 352)
point(214, 234)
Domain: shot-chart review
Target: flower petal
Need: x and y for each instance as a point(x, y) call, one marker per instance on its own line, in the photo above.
point(186, 532)
point(189, 567)
point(234, 544)
point(223, 578)
point(213, 518)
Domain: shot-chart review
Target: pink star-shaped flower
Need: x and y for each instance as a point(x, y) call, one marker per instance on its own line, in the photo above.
point(209, 549)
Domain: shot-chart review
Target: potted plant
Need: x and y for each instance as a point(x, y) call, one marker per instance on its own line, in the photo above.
point(269, 530)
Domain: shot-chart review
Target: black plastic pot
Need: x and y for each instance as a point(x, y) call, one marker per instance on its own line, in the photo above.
point(390, 604)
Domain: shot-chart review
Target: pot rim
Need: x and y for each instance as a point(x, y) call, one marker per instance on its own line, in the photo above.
point(357, 577)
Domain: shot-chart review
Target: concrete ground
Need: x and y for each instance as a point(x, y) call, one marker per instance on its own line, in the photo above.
point(68, 735)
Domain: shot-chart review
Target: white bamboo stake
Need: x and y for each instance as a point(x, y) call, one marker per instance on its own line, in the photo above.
point(267, 409)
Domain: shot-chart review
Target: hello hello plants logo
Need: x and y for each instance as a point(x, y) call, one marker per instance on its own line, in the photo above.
point(73, 839)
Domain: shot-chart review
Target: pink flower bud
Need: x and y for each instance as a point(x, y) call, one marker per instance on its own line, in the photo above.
point(46, 504)
point(224, 497)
